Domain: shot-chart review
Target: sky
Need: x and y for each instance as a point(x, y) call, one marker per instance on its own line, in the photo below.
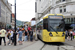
point(25, 9)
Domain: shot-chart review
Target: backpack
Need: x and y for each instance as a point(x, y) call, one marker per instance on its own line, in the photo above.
point(8, 35)
point(29, 28)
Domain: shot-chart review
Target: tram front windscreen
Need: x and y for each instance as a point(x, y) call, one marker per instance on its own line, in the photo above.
point(56, 23)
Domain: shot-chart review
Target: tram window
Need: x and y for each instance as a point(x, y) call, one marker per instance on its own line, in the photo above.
point(45, 24)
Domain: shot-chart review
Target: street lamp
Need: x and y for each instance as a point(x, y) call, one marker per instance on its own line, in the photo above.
point(15, 26)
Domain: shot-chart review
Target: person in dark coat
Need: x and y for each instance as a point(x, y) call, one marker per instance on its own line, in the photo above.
point(31, 35)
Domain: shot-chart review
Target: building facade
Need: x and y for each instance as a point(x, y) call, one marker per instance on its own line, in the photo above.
point(65, 7)
point(5, 13)
point(13, 20)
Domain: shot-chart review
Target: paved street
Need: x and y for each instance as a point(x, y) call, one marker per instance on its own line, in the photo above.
point(39, 45)
point(70, 42)
point(17, 47)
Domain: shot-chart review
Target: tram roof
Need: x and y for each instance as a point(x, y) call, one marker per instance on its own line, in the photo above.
point(46, 16)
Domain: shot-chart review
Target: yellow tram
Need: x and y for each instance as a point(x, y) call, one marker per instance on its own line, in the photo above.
point(51, 28)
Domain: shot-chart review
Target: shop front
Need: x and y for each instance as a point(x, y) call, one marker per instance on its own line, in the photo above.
point(69, 23)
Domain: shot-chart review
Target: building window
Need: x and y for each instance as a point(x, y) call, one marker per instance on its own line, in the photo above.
point(64, 8)
point(58, 1)
point(68, 20)
point(63, 0)
point(72, 21)
point(39, 0)
point(65, 20)
point(60, 9)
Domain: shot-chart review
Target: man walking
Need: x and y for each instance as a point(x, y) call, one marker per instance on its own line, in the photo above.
point(20, 37)
point(3, 32)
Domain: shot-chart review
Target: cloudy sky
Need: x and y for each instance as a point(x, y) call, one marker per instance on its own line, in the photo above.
point(25, 9)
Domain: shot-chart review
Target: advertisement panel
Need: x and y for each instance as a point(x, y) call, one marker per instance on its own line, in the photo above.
point(33, 22)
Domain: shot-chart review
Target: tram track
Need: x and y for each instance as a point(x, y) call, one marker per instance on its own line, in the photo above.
point(42, 46)
point(57, 46)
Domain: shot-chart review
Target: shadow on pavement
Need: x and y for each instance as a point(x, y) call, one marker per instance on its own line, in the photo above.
point(54, 43)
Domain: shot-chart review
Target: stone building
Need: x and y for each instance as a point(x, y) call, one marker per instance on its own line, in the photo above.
point(5, 13)
point(13, 20)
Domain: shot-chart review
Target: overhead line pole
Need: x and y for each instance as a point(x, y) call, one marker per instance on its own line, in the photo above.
point(15, 26)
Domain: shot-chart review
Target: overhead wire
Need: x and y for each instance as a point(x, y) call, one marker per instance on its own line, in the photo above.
point(24, 3)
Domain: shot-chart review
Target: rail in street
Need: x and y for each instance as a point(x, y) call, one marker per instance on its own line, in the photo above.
point(57, 46)
point(39, 45)
point(52, 47)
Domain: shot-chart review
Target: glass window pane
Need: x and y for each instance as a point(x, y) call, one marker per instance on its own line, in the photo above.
point(71, 20)
point(60, 10)
point(63, 0)
point(65, 10)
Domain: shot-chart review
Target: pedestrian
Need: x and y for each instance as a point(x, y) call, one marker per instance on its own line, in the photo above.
point(18, 29)
point(2, 36)
point(20, 37)
point(26, 34)
point(31, 35)
point(29, 28)
point(23, 32)
point(26, 27)
point(68, 35)
point(23, 29)
point(71, 34)
point(66, 32)
point(9, 37)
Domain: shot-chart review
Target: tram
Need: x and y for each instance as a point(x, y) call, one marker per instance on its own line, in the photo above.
point(51, 28)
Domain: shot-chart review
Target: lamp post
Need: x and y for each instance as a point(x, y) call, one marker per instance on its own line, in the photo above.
point(15, 26)
point(36, 25)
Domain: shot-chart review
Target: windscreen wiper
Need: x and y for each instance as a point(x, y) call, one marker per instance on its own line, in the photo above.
point(53, 29)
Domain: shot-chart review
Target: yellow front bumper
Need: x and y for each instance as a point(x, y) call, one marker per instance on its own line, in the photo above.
point(55, 39)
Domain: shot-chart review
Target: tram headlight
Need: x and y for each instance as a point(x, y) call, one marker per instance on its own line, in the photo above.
point(50, 34)
point(63, 34)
